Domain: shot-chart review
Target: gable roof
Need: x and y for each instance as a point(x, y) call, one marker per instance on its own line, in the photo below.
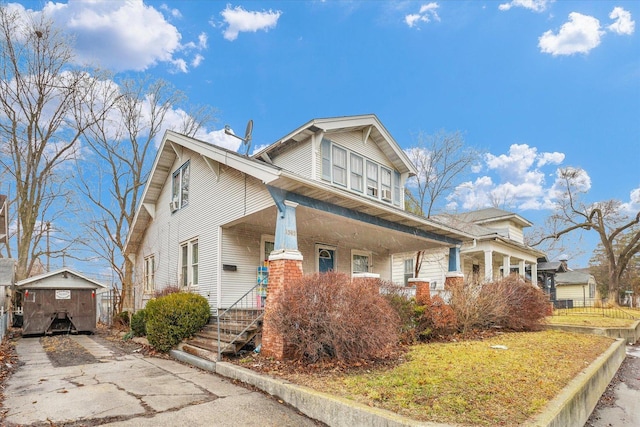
point(573, 277)
point(369, 124)
point(488, 215)
point(172, 147)
point(53, 280)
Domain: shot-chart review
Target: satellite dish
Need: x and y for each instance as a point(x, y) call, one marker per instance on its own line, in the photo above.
point(247, 136)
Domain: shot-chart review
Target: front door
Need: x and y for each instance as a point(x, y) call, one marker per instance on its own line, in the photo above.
point(326, 260)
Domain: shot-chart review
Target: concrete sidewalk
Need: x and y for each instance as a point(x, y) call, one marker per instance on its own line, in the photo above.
point(131, 390)
point(622, 407)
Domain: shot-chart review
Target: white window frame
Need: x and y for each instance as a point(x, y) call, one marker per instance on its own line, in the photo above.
point(355, 177)
point(388, 173)
point(149, 273)
point(264, 239)
point(339, 170)
point(408, 262)
point(373, 187)
point(318, 247)
point(189, 274)
point(360, 253)
point(180, 182)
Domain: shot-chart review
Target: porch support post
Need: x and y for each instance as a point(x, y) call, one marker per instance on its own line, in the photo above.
point(506, 265)
point(521, 268)
point(454, 276)
point(285, 266)
point(534, 274)
point(488, 266)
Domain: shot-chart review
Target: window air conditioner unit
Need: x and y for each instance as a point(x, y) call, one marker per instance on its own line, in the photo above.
point(386, 194)
point(175, 205)
point(372, 191)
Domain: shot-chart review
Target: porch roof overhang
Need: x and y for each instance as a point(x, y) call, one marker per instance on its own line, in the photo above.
point(320, 196)
point(508, 244)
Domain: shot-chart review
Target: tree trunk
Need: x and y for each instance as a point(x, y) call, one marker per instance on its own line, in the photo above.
point(614, 286)
point(128, 301)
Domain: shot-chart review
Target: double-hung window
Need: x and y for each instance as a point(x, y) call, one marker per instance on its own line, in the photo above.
point(189, 263)
point(372, 179)
point(180, 187)
point(149, 273)
point(357, 173)
point(396, 188)
point(385, 184)
point(360, 261)
point(339, 165)
point(408, 270)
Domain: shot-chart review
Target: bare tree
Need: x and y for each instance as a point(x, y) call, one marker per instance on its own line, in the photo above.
point(441, 160)
point(605, 218)
point(43, 101)
point(123, 145)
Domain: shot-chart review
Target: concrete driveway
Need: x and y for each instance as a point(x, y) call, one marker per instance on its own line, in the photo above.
point(131, 390)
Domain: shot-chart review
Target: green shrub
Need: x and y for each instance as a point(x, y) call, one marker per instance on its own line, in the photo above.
point(122, 318)
point(139, 323)
point(174, 317)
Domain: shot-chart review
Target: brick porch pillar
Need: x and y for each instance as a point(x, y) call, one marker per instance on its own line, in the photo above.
point(423, 291)
point(453, 278)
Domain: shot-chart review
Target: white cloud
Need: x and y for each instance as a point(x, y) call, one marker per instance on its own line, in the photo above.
point(512, 180)
point(427, 13)
point(174, 12)
point(202, 41)
point(197, 60)
point(241, 20)
point(623, 24)
point(534, 5)
point(117, 35)
point(579, 35)
point(219, 138)
point(632, 207)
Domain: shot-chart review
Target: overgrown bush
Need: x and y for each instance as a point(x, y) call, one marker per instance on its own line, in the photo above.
point(174, 317)
point(509, 303)
point(139, 323)
point(331, 316)
point(122, 318)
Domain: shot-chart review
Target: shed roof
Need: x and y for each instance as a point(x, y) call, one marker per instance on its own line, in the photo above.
point(60, 279)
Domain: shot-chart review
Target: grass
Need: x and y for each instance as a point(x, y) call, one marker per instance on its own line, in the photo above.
point(470, 382)
point(592, 320)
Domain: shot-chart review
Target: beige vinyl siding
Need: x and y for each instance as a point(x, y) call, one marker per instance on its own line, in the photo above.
point(352, 141)
point(297, 158)
point(240, 248)
point(572, 292)
point(434, 266)
point(213, 201)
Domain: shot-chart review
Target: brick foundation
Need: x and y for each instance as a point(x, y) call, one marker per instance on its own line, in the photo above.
point(453, 279)
point(281, 271)
point(423, 291)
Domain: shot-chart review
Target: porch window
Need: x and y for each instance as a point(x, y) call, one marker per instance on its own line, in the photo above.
point(189, 263)
point(149, 273)
point(339, 165)
point(180, 187)
point(385, 184)
point(360, 261)
point(356, 173)
point(372, 179)
point(408, 270)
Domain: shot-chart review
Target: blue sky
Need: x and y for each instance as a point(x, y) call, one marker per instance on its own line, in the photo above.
point(536, 84)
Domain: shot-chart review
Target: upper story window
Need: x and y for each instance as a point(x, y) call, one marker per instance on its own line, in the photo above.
point(348, 169)
point(180, 187)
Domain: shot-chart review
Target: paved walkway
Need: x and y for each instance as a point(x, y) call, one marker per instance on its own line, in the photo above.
point(622, 407)
point(131, 390)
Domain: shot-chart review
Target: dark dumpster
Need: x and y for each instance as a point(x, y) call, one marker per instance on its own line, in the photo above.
point(60, 301)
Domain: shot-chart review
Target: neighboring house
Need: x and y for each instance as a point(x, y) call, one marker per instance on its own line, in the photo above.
point(7, 280)
point(577, 286)
point(496, 249)
point(327, 196)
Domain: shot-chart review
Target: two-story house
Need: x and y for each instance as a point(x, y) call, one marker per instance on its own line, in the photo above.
point(328, 196)
point(497, 249)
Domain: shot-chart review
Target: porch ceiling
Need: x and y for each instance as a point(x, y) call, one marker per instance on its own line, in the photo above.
point(323, 227)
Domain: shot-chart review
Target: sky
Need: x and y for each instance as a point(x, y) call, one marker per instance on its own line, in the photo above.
point(535, 84)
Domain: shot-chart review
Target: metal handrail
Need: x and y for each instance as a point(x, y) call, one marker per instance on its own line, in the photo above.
point(253, 300)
